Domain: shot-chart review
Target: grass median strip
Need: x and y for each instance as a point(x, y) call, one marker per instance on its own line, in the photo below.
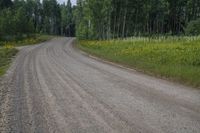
point(175, 58)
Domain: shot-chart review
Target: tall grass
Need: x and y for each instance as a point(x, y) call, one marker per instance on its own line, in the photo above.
point(175, 58)
point(6, 54)
point(27, 41)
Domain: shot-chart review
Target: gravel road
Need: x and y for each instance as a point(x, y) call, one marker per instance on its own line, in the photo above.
point(54, 88)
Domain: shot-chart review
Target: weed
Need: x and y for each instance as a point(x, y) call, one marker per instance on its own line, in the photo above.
point(176, 58)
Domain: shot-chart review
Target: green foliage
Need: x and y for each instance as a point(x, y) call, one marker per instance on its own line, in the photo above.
point(51, 17)
point(105, 19)
point(20, 18)
point(5, 4)
point(7, 22)
point(67, 20)
point(92, 17)
point(176, 58)
point(33, 39)
point(193, 27)
point(15, 23)
point(23, 24)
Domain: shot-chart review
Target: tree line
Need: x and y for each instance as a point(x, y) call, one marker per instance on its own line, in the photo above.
point(25, 17)
point(100, 19)
point(104, 19)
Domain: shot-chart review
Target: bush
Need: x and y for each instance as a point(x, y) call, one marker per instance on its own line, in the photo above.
point(193, 27)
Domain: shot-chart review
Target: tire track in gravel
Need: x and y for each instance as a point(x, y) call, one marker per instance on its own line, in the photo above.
point(53, 88)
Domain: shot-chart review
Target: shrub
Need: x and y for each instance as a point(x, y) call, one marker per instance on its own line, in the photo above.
point(193, 27)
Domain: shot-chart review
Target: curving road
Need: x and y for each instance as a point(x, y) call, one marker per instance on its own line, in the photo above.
point(54, 88)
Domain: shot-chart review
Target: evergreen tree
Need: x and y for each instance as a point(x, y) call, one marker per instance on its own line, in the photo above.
point(99, 19)
point(5, 4)
point(122, 18)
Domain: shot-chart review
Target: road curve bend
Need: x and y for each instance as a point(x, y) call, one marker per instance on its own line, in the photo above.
point(53, 88)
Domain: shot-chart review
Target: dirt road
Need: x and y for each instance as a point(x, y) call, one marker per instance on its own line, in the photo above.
point(53, 88)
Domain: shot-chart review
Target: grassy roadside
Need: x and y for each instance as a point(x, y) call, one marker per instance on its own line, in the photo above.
point(8, 50)
point(27, 41)
point(6, 55)
point(177, 59)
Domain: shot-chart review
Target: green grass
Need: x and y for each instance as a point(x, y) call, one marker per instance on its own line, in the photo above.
point(6, 55)
point(27, 41)
point(174, 58)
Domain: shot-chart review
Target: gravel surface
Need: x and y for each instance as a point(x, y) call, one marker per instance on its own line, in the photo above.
point(54, 88)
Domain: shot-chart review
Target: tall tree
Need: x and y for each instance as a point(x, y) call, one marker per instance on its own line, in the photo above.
point(123, 18)
point(5, 4)
point(51, 16)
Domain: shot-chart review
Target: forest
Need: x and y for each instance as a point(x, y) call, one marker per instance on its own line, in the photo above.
point(105, 19)
point(100, 19)
point(20, 18)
